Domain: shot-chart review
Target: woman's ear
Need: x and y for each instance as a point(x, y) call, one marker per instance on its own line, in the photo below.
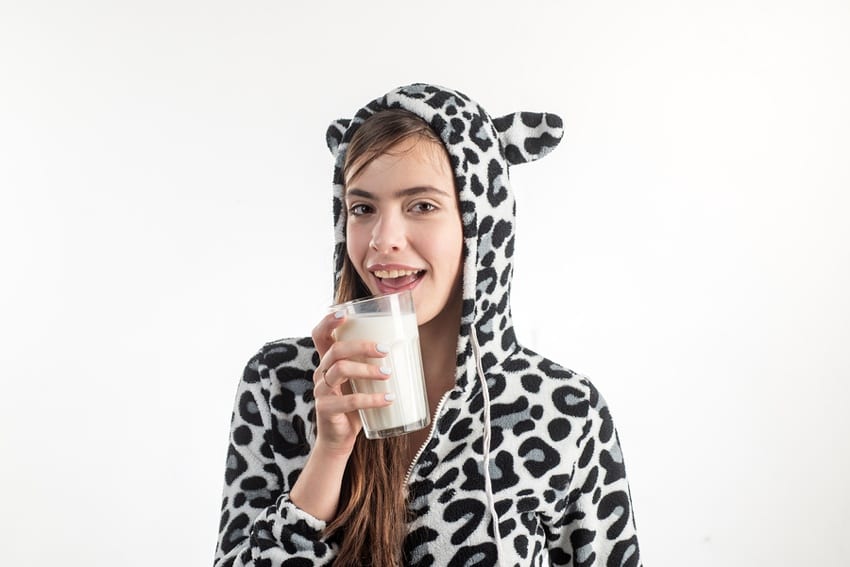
point(528, 136)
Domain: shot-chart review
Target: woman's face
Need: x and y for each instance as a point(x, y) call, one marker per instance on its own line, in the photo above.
point(403, 229)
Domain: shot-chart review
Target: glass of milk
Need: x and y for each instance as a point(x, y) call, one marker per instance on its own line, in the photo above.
point(389, 320)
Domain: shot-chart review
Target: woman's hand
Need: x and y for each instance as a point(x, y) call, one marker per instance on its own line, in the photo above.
point(337, 420)
point(318, 487)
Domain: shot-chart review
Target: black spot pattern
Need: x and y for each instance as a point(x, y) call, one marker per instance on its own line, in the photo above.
point(496, 190)
point(570, 401)
point(468, 513)
point(615, 504)
point(625, 553)
point(614, 470)
point(536, 146)
point(505, 475)
point(539, 457)
point(234, 533)
point(236, 465)
point(242, 435)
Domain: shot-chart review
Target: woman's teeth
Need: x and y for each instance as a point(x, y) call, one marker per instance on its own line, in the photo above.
point(395, 273)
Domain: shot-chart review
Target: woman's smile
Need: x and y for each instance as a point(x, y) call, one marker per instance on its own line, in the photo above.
point(390, 278)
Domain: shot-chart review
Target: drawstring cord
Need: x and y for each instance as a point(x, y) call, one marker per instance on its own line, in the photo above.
point(488, 485)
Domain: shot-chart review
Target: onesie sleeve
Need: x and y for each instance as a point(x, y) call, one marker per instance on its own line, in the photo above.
point(598, 526)
point(259, 525)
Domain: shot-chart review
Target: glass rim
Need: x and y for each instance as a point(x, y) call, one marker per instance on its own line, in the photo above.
point(353, 302)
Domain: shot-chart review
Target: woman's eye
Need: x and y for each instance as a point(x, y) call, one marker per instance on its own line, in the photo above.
point(423, 207)
point(359, 209)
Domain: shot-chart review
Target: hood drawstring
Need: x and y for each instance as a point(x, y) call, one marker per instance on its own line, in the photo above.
point(488, 485)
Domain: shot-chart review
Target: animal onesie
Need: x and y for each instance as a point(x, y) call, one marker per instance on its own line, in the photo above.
point(522, 466)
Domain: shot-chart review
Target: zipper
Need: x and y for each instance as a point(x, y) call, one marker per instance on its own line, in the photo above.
point(427, 439)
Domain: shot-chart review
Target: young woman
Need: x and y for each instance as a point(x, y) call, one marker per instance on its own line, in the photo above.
point(521, 464)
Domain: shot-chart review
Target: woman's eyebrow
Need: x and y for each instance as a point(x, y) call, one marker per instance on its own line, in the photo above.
point(418, 190)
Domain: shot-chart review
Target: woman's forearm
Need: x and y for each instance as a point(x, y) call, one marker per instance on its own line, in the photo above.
point(318, 486)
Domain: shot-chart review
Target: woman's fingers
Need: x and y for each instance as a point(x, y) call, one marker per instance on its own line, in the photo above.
point(323, 331)
point(344, 370)
point(344, 352)
point(330, 405)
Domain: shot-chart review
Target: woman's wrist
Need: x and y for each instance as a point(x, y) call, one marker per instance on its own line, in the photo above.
point(319, 485)
point(331, 452)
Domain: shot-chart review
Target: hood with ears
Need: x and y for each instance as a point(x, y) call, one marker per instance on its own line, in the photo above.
point(481, 150)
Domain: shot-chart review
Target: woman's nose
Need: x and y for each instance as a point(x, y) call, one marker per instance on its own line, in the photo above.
point(388, 235)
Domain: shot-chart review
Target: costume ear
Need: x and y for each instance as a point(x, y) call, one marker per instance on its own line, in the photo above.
point(335, 132)
point(527, 136)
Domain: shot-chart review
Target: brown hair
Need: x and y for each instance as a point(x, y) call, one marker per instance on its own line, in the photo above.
point(372, 517)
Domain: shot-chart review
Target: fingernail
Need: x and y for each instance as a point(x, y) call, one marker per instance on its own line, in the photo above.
point(389, 397)
point(386, 370)
point(381, 347)
point(339, 314)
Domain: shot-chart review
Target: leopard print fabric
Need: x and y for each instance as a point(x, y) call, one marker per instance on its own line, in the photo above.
point(554, 491)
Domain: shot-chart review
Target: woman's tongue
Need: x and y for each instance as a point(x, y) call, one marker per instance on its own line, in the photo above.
point(400, 282)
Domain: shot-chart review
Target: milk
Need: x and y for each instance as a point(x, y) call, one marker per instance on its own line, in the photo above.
point(409, 410)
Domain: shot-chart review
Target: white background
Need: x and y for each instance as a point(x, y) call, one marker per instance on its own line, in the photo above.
point(166, 209)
